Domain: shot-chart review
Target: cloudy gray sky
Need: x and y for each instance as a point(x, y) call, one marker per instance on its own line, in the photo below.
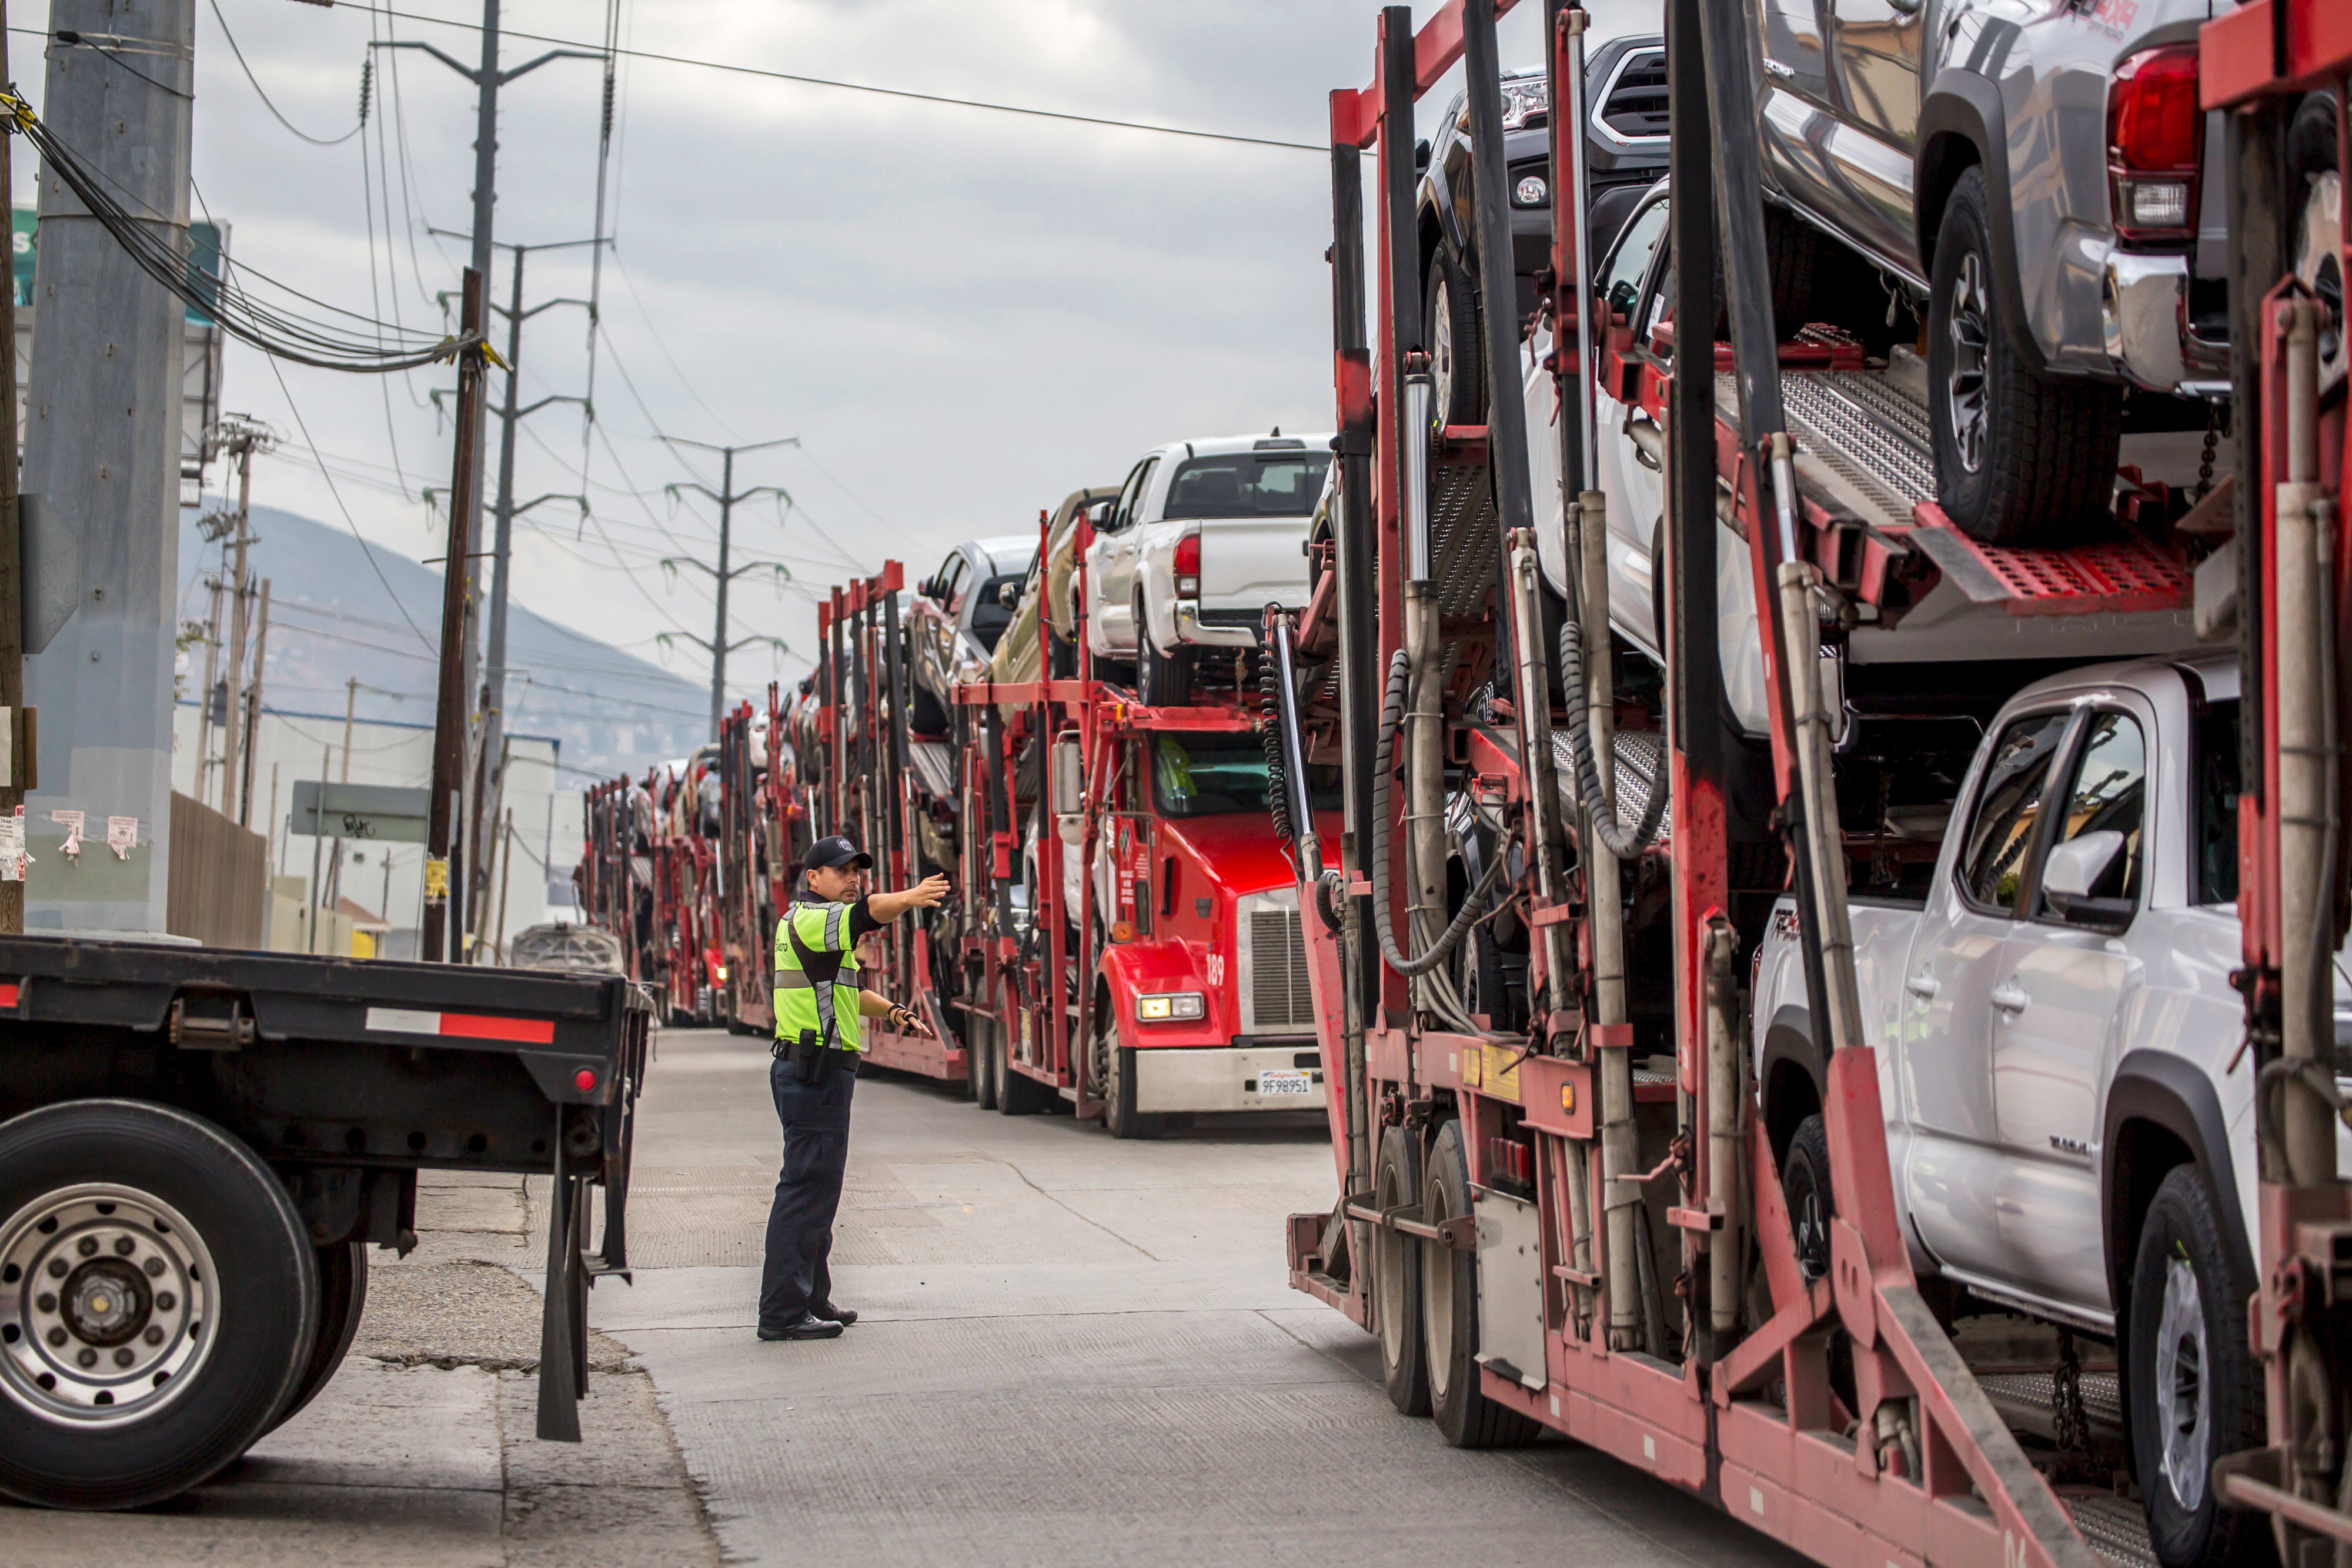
point(961, 315)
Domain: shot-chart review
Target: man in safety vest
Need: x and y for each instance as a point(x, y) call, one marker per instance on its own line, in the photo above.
point(818, 1006)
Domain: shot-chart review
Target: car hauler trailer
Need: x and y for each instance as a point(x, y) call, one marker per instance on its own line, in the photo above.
point(1560, 1209)
point(2262, 66)
point(197, 1147)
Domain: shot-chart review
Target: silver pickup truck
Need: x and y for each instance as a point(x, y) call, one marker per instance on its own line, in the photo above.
point(2068, 1118)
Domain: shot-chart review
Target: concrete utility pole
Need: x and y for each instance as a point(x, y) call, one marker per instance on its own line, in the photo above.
point(12, 599)
point(723, 574)
point(243, 435)
point(102, 441)
point(252, 714)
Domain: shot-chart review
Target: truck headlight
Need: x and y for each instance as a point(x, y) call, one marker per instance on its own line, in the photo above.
point(1169, 1005)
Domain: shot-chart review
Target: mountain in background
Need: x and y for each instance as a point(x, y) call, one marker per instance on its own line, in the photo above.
point(333, 616)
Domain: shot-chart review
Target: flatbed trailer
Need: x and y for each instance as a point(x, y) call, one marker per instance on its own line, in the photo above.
point(1564, 1213)
point(198, 1147)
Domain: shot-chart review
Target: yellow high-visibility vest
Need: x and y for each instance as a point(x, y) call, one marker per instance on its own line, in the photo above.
point(800, 1003)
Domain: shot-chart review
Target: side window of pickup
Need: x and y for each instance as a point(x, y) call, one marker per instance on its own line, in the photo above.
point(2108, 797)
point(2008, 805)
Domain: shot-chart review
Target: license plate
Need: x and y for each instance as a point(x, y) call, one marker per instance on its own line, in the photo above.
point(1283, 1081)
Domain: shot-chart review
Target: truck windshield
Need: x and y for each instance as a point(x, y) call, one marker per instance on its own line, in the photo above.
point(1220, 775)
point(1248, 485)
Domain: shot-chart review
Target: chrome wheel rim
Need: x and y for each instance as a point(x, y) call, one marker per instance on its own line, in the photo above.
point(1964, 386)
point(107, 1305)
point(2183, 1389)
point(1441, 350)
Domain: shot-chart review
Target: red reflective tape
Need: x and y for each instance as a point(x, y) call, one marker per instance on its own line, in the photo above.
point(480, 1025)
point(7, 995)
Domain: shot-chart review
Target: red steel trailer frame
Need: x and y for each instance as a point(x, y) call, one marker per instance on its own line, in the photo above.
point(1906, 1461)
point(2295, 449)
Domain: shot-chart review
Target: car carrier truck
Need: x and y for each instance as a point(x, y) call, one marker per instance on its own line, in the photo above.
point(1565, 1210)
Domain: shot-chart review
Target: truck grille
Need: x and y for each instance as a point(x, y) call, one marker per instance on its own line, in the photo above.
point(1634, 102)
point(1280, 997)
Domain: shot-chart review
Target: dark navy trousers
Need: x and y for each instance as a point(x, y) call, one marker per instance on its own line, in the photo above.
point(808, 1193)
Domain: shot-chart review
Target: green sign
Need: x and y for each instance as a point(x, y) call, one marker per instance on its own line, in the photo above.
point(203, 259)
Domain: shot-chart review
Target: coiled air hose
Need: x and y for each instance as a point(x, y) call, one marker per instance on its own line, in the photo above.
point(1269, 734)
point(1391, 716)
point(1598, 810)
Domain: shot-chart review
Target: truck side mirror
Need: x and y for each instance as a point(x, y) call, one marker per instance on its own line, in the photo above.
point(1068, 777)
point(1008, 594)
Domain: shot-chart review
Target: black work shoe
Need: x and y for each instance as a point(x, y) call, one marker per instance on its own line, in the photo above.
point(844, 1316)
point(809, 1327)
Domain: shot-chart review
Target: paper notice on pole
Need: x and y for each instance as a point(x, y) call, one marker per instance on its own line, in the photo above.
point(13, 857)
point(122, 836)
point(436, 880)
point(72, 822)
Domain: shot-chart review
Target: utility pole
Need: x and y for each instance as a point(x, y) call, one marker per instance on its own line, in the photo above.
point(103, 454)
point(449, 707)
point(351, 705)
point(491, 786)
point(243, 435)
point(724, 574)
point(211, 679)
point(12, 597)
point(252, 717)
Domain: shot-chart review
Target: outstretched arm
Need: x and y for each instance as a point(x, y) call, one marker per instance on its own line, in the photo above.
point(889, 906)
point(873, 1005)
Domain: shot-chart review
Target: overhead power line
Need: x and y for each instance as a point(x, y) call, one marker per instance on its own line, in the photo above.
point(943, 98)
point(258, 92)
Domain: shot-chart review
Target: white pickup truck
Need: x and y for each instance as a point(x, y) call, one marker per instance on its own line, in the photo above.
point(2069, 1122)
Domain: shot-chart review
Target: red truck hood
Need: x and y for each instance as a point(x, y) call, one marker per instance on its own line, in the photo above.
point(1241, 851)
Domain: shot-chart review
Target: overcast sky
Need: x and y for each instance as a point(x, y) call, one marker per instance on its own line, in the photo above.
point(961, 315)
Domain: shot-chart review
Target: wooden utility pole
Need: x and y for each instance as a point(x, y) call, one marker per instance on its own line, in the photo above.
point(350, 702)
point(506, 875)
point(449, 708)
point(12, 581)
point(243, 785)
point(204, 780)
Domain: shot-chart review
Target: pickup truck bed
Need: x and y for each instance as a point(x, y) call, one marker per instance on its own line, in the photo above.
point(196, 1139)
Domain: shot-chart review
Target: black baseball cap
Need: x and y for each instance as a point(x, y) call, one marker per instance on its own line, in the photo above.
point(836, 851)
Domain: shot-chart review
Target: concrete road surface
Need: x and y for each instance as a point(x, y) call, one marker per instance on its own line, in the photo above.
point(1072, 1351)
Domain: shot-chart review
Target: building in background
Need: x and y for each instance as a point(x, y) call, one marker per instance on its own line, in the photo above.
point(381, 892)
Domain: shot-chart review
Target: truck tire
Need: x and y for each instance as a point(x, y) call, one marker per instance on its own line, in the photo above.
point(2194, 1391)
point(1163, 680)
point(1396, 1277)
point(158, 1228)
point(979, 1066)
point(1450, 324)
point(1120, 1118)
point(2019, 459)
point(342, 1300)
point(1018, 1094)
point(1449, 1314)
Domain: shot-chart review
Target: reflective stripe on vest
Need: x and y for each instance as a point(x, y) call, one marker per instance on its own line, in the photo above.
point(800, 1003)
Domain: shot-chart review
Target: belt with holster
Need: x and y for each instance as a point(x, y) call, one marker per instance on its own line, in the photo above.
point(811, 1060)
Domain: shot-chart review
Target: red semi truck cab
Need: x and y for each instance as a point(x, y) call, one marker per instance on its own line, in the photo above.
point(1204, 977)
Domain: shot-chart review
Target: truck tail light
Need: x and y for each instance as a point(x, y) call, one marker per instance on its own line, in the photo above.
point(2156, 136)
point(1188, 565)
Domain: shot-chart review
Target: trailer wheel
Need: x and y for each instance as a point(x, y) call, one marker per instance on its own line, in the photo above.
point(343, 1299)
point(159, 1298)
point(2019, 459)
point(2195, 1393)
point(1449, 1314)
point(980, 1061)
point(1396, 1277)
point(1017, 1093)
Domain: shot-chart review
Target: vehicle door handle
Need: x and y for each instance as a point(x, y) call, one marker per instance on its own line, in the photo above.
point(2007, 999)
point(1926, 987)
